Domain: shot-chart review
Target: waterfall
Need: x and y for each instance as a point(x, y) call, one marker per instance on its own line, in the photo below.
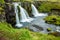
point(31, 19)
point(24, 17)
point(36, 13)
point(26, 13)
point(18, 24)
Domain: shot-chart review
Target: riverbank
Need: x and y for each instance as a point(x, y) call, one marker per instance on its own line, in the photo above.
point(7, 32)
point(53, 19)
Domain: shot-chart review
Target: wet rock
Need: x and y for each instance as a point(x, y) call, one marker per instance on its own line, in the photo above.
point(9, 14)
point(38, 27)
point(49, 29)
point(46, 21)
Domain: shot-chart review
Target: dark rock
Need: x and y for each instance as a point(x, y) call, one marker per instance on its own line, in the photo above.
point(7, 1)
point(49, 29)
point(38, 27)
point(2, 18)
point(46, 21)
point(54, 19)
point(9, 13)
point(55, 33)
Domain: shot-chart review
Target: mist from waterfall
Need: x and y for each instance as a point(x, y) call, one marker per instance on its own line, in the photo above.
point(18, 24)
point(24, 17)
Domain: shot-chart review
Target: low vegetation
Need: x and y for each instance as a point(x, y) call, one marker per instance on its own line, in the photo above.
point(2, 1)
point(7, 32)
point(53, 19)
point(48, 6)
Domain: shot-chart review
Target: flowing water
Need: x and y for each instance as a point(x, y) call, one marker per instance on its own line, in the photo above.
point(41, 23)
point(18, 24)
point(35, 11)
point(24, 17)
point(38, 22)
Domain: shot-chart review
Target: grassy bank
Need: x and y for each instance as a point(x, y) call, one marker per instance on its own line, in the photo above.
point(7, 32)
point(48, 6)
point(53, 19)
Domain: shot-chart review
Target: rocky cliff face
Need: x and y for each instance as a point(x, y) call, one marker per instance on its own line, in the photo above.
point(27, 6)
point(9, 12)
point(2, 13)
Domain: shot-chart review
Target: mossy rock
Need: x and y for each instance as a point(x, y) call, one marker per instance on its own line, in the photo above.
point(49, 29)
point(53, 19)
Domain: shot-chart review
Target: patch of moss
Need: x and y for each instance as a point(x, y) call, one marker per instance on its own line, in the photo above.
point(47, 6)
point(53, 19)
point(49, 29)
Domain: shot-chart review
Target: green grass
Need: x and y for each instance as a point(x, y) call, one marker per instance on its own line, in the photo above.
point(2, 1)
point(53, 19)
point(48, 6)
point(7, 32)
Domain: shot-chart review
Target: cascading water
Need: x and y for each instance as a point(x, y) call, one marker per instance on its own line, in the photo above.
point(24, 17)
point(35, 12)
point(58, 29)
point(26, 13)
point(31, 19)
point(18, 24)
